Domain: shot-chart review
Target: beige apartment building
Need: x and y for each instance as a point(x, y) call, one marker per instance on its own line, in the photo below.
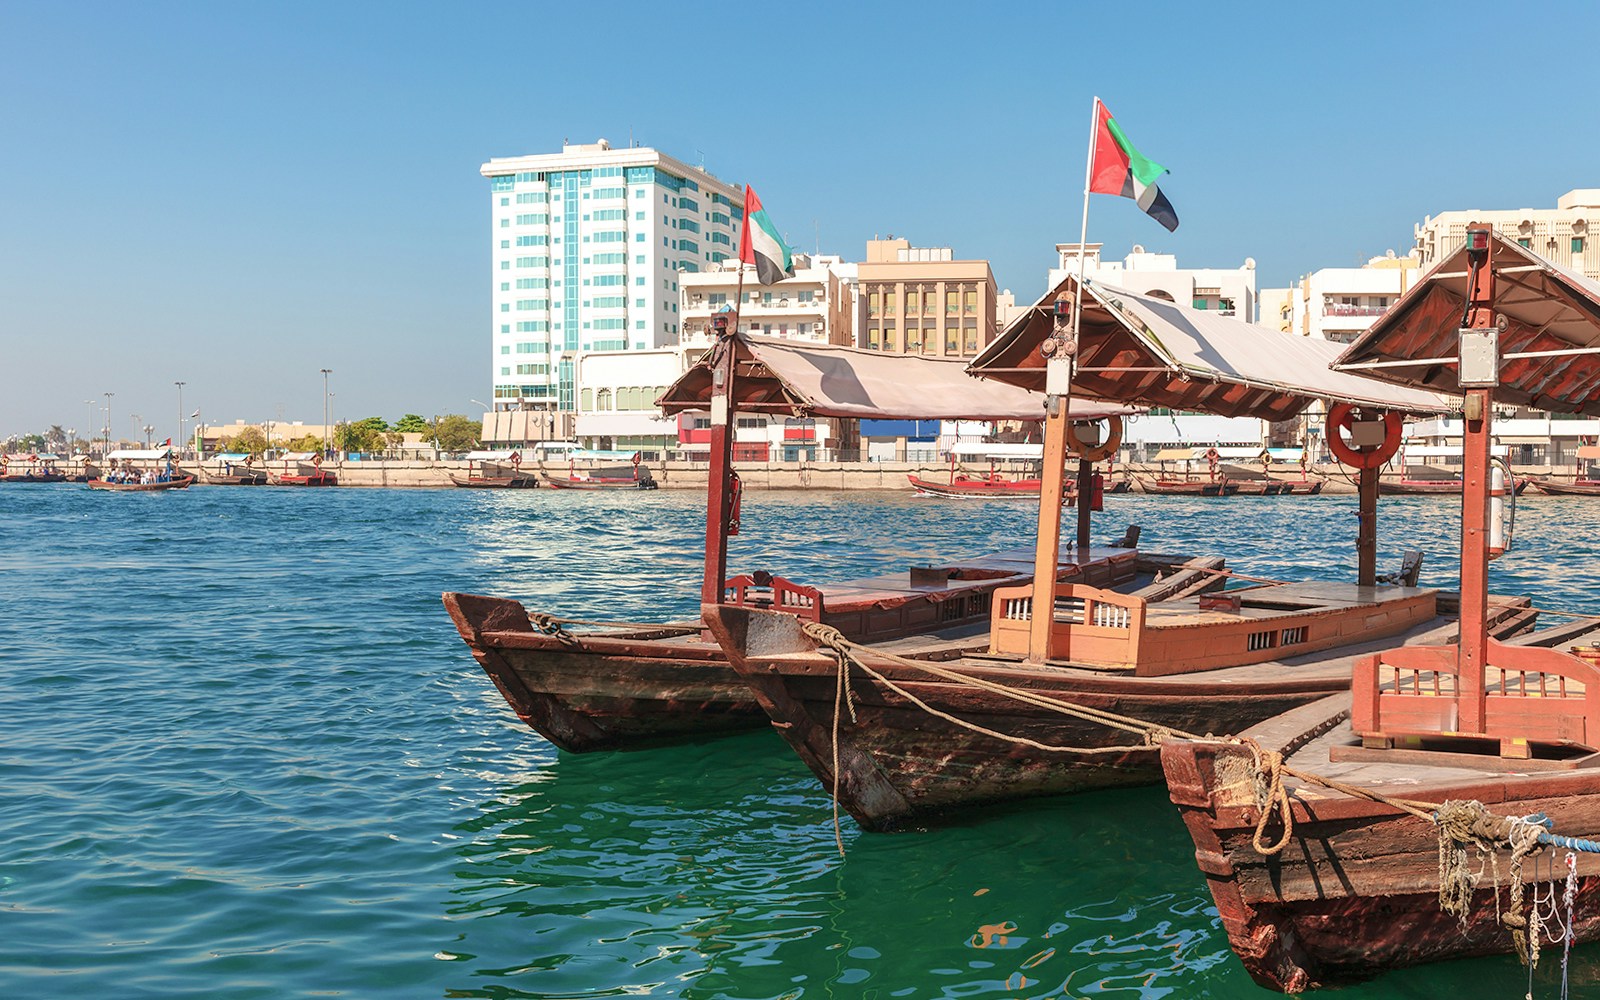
point(813, 304)
point(922, 301)
point(1560, 235)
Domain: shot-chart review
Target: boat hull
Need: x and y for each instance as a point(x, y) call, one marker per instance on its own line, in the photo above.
point(1356, 891)
point(320, 479)
point(636, 687)
point(42, 477)
point(180, 483)
point(1182, 488)
point(1576, 488)
point(570, 483)
point(495, 482)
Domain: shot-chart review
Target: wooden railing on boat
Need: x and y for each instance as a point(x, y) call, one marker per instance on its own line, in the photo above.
point(762, 590)
point(1530, 696)
point(1102, 628)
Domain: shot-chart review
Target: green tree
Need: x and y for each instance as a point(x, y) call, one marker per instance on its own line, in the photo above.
point(363, 435)
point(250, 441)
point(309, 442)
point(456, 432)
point(411, 423)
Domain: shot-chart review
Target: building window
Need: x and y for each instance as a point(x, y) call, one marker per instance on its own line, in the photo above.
point(970, 303)
point(602, 400)
point(913, 299)
point(952, 303)
point(873, 304)
point(1577, 244)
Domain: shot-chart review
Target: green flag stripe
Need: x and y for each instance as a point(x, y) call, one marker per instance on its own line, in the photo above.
point(1145, 172)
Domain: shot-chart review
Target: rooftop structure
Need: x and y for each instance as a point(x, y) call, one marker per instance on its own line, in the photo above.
point(1230, 292)
point(1560, 235)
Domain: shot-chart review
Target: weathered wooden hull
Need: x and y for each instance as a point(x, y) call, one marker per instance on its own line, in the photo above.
point(258, 479)
point(1431, 487)
point(1304, 489)
point(1022, 489)
point(1575, 488)
point(180, 483)
point(1259, 487)
point(1356, 891)
point(320, 479)
point(569, 483)
point(901, 763)
point(32, 477)
point(495, 482)
point(627, 689)
point(636, 687)
point(1180, 488)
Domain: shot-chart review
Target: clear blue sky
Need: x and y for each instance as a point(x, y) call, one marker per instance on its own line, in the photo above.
point(238, 195)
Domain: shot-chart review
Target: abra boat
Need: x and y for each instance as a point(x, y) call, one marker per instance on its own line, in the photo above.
point(1445, 757)
point(1188, 487)
point(142, 470)
point(1433, 487)
point(595, 687)
point(928, 734)
point(232, 469)
point(635, 476)
point(33, 467)
point(496, 470)
point(1583, 482)
point(965, 487)
point(304, 469)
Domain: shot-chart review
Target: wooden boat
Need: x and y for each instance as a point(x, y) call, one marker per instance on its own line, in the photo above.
point(233, 470)
point(1356, 891)
point(1259, 487)
point(592, 687)
point(963, 486)
point(1569, 488)
point(308, 470)
point(630, 686)
point(1444, 758)
point(1303, 489)
point(1188, 487)
point(176, 483)
point(636, 478)
point(496, 470)
point(901, 758)
point(30, 468)
point(930, 733)
point(1426, 487)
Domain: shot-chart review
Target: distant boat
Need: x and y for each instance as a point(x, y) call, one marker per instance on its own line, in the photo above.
point(1189, 487)
point(1569, 488)
point(497, 470)
point(140, 472)
point(1423, 487)
point(30, 468)
point(233, 469)
point(618, 478)
point(178, 483)
point(308, 471)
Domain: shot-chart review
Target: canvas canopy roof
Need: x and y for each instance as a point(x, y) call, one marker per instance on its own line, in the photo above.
point(1144, 350)
point(492, 456)
point(1549, 346)
point(138, 453)
point(826, 380)
point(1589, 451)
point(229, 457)
point(298, 456)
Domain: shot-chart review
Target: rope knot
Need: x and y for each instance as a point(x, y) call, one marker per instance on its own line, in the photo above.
point(552, 626)
point(1271, 797)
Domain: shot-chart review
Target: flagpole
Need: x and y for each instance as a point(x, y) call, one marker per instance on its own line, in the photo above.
point(720, 477)
point(1052, 492)
point(1083, 232)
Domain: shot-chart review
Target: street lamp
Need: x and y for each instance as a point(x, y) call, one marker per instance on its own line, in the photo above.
point(148, 430)
point(181, 425)
point(327, 435)
point(108, 396)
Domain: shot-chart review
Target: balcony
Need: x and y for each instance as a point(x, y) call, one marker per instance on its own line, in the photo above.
point(1332, 309)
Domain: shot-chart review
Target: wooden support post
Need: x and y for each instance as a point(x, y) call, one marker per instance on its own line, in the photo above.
point(1475, 560)
point(719, 483)
point(1051, 493)
point(1478, 414)
point(1367, 529)
point(1085, 489)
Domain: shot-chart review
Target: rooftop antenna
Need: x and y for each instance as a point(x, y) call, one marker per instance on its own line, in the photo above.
point(701, 153)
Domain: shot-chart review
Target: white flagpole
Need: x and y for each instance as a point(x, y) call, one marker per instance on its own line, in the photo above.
point(1083, 233)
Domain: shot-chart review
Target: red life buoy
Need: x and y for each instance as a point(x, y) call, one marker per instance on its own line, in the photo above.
point(516, 458)
point(1104, 449)
point(1340, 417)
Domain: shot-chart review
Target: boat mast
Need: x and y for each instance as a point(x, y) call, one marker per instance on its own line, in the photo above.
point(719, 482)
point(1478, 374)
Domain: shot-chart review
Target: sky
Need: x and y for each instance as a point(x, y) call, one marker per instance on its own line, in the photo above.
point(240, 195)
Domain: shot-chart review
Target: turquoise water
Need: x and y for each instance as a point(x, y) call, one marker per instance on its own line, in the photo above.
point(244, 754)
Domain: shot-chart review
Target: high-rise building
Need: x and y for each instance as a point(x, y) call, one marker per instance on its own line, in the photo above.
point(587, 248)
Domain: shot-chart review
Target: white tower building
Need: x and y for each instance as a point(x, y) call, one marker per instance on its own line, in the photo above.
point(587, 246)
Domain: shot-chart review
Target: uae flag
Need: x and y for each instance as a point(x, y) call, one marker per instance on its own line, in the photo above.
point(760, 244)
point(1121, 169)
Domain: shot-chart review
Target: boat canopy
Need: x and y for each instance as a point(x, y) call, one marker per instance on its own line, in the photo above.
point(1411, 451)
point(492, 456)
point(298, 456)
point(148, 454)
point(1286, 454)
point(1549, 345)
point(228, 457)
point(1149, 351)
point(30, 456)
point(1589, 451)
point(827, 380)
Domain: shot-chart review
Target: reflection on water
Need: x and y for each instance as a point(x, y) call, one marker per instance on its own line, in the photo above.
point(245, 754)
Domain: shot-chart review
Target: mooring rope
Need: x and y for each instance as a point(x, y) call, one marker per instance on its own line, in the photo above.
point(1460, 824)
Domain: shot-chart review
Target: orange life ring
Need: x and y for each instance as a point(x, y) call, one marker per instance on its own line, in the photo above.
point(1213, 456)
point(317, 460)
point(1104, 449)
point(1340, 417)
